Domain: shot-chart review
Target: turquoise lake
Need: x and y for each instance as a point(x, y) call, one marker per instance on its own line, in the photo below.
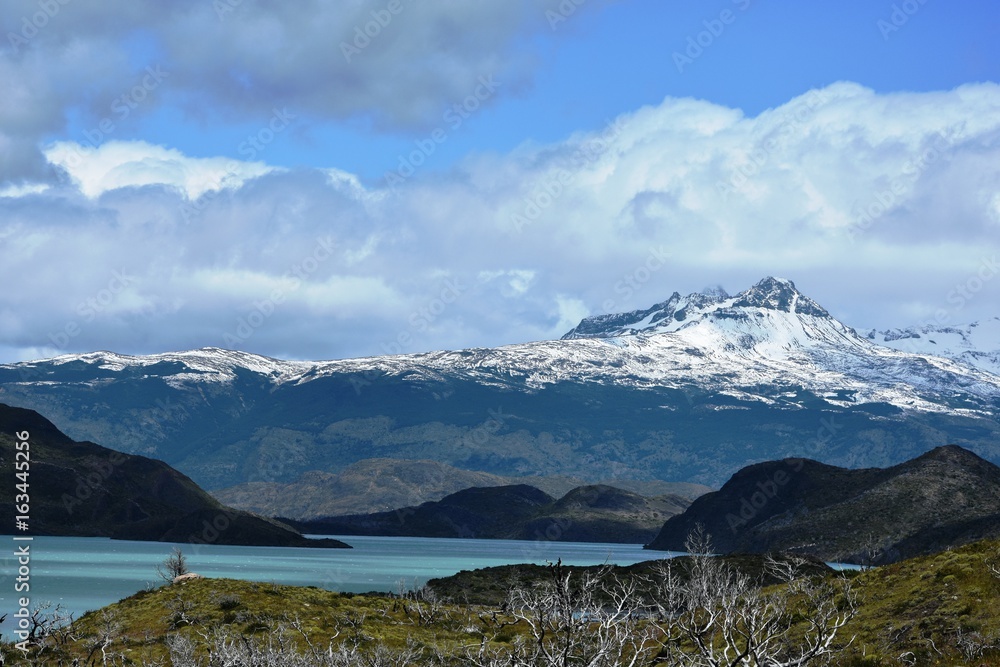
point(83, 573)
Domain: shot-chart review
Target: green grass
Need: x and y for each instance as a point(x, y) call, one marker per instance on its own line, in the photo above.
point(925, 605)
point(252, 609)
point(934, 610)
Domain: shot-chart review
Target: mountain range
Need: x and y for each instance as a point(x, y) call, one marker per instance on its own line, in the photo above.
point(595, 513)
point(81, 489)
point(689, 390)
point(976, 344)
point(937, 501)
point(377, 485)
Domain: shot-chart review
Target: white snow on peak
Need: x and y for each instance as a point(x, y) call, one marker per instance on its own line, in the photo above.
point(208, 364)
point(976, 344)
point(777, 294)
point(760, 345)
point(736, 355)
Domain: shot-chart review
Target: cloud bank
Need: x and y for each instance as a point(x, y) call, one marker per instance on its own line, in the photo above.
point(878, 205)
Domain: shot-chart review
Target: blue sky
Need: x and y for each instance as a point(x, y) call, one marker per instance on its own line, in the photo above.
point(607, 59)
point(202, 150)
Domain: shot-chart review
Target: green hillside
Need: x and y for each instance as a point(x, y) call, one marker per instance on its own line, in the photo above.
point(933, 610)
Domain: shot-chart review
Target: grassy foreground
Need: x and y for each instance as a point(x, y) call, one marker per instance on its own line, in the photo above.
point(140, 627)
point(933, 610)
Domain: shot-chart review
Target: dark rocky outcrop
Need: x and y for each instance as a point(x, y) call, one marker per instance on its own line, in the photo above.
point(85, 490)
point(944, 498)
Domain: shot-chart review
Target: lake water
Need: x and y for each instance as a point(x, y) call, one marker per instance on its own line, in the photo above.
point(84, 573)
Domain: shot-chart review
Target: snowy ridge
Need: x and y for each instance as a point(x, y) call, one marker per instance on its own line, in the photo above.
point(976, 344)
point(777, 294)
point(760, 345)
point(733, 355)
point(209, 364)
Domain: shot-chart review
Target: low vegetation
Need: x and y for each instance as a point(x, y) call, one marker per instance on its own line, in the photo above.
point(699, 610)
point(944, 498)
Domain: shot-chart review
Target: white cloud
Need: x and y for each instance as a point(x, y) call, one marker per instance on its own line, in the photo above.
point(122, 164)
point(329, 296)
point(513, 283)
point(995, 209)
point(23, 189)
point(570, 312)
point(875, 204)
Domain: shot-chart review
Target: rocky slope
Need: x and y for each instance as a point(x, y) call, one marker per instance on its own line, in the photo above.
point(944, 498)
point(83, 489)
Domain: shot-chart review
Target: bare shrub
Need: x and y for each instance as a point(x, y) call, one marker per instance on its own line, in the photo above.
point(173, 566)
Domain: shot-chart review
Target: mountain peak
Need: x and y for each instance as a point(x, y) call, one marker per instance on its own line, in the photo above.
point(779, 294)
point(953, 455)
point(716, 292)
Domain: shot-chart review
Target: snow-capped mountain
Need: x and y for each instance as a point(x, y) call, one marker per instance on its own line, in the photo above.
point(772, 294)
point(770, 333)
point(976, 344)
point(209, 364)
point(688, 390)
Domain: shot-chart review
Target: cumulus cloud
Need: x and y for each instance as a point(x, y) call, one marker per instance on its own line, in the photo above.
point(878, 205)
point(120, 164)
